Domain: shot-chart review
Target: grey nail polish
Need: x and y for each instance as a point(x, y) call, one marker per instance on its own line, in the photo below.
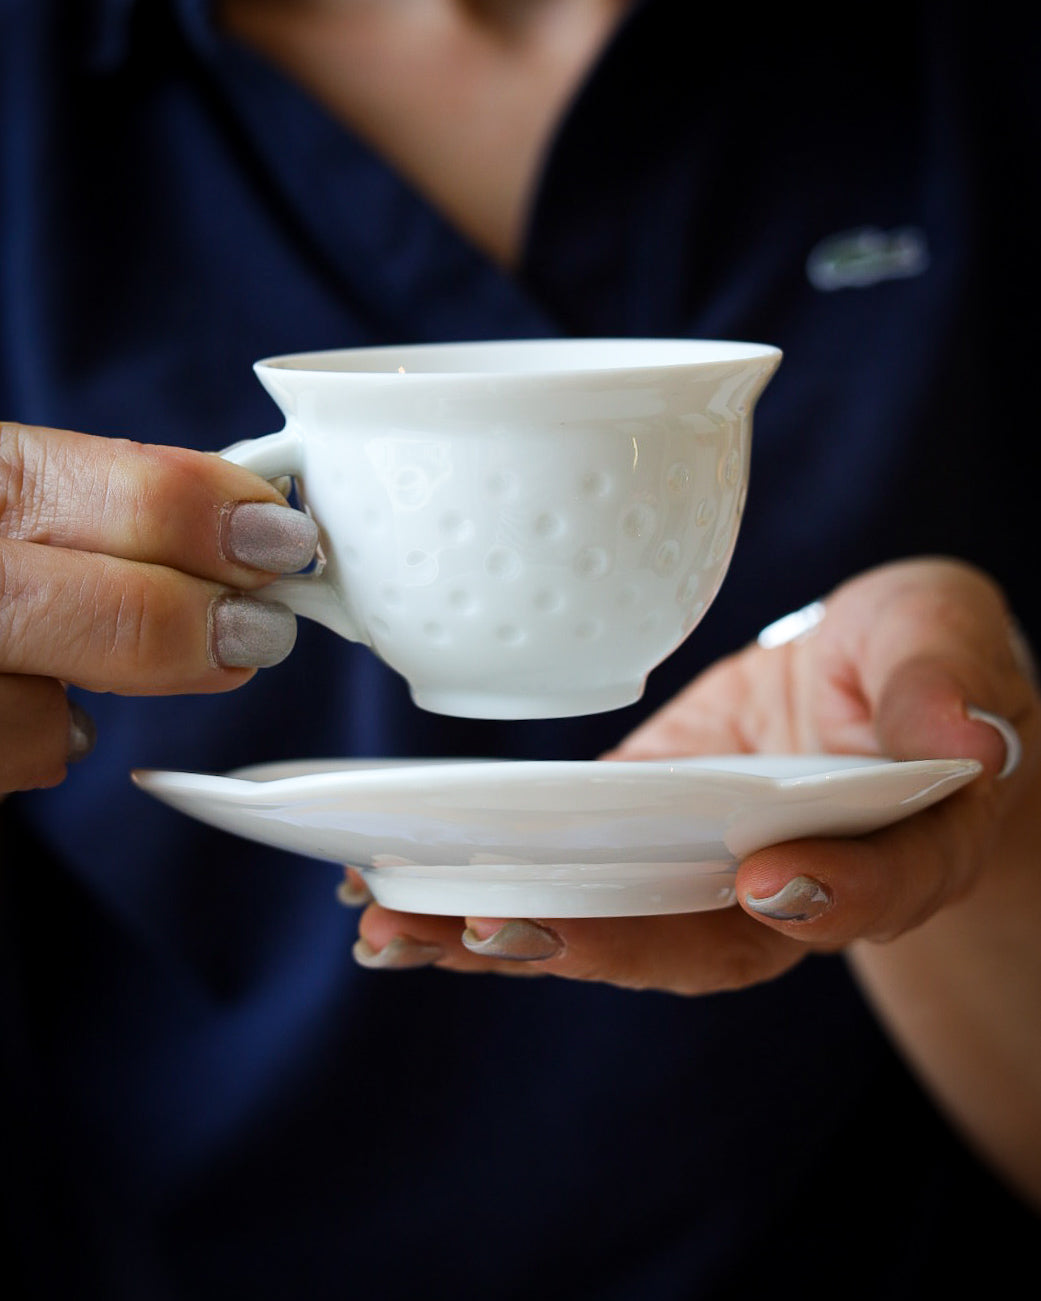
point(800, 900)
point(520, 941)
point(353, 894)
point(267, 536)
point(247, 633)
point(400, 954)
point(82, 733)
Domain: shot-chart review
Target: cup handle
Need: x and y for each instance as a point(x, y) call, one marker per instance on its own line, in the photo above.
point(311, 595)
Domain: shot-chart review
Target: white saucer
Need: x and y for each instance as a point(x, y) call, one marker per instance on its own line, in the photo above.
point(551, 839)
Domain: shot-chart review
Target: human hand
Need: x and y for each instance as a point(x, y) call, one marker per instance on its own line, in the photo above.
point(903, 658)
point(128, 568)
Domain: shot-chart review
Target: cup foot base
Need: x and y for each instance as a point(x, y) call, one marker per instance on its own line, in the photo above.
point(547, 704)
point(547, 890)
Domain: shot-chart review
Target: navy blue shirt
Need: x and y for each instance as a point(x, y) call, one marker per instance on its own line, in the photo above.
point(202, 1095)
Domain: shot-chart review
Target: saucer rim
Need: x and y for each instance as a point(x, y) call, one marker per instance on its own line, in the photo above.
point(834, 770)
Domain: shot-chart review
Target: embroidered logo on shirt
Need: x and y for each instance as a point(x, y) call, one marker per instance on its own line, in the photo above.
point(856, 259)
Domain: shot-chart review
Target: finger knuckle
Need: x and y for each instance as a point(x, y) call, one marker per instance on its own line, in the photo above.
point(56, 486)
point(13, 626)
point(143, 628)
point(23, 508)
point(120, 617)
point(12, 468)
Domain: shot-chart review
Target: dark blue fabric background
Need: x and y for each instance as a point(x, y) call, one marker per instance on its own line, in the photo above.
point(203, 1097)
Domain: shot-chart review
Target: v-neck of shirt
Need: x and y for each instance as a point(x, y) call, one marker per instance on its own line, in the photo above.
point(378, 235)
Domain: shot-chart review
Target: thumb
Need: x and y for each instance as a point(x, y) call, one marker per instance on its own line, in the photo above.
point(928, 710)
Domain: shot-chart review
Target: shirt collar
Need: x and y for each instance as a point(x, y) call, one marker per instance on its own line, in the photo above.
point(110, 23)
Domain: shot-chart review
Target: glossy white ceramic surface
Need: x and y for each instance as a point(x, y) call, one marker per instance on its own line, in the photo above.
point(544, 839)
point(519, 529)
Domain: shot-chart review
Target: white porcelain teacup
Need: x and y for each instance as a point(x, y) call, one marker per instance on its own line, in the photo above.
point(521, 529)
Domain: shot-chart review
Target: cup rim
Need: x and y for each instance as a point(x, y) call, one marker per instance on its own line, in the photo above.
point(539, 359)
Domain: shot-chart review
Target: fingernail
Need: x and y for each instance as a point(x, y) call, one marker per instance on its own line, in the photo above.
point(83, 734)
point(1013, 745)
point(400, 954)
point(798, 901)
point(521, 941)
point(265, 535)
point(353, 892)
point(247, 633)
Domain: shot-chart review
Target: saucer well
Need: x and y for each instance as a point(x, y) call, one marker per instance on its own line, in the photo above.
point(554, 839)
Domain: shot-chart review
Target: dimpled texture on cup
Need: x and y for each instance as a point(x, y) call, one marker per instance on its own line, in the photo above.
point(606, 549)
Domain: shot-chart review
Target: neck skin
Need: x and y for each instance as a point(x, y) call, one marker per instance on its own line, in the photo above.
point(461, 96)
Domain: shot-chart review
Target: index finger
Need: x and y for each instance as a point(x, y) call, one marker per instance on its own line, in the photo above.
point(161, 505)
